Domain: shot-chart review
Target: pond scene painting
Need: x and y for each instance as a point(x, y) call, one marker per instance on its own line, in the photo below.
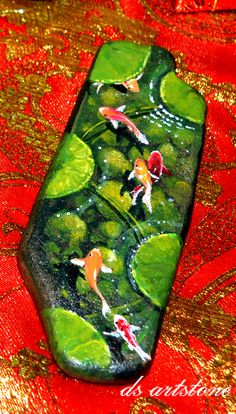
point(105, 237)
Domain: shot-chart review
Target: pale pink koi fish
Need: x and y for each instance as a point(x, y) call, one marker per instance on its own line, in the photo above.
point(115, 115)
point(125, 331)
point(93, 265)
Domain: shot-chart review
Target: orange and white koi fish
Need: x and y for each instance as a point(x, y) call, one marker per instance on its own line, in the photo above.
point(115, 115)
point(93, 265)
point(142, 174)
point(125, 331)
point(131, 84)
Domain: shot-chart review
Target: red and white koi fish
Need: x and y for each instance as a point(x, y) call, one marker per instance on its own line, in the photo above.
point(93, 265)
point(155, 165)
point(125, 331)
point(115, 115)
point(142, 174)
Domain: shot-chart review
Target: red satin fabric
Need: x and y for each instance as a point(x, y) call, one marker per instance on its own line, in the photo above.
point(45, 53)
point(202, 5)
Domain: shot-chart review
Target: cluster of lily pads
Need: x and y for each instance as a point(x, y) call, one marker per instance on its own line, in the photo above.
point(89, 197)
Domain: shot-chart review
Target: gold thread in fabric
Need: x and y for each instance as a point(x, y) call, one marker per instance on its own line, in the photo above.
point(9, 292)
point(143, 405)
point(214, 5)
point(30, 364)
point(221, 92)
point(207, 191)
point(233, 136)
point(49, 28)
point(208, 323)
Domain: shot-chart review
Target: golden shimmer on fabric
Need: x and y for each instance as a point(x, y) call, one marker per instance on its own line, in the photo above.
point(221, 92)
point(145, 405)
point(207, 191)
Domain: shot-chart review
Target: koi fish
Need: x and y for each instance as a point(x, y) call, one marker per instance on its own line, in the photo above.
point(131, 84)
point(155, 165)
point(125, 331)
point(93, 265)
point(115, 115)
point(142, 174)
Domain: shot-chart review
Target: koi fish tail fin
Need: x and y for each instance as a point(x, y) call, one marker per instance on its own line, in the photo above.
point(142, 138)
point(135, 193)
point(166, 171)
point(105, 308)
point(147, 198)
point(143, 355)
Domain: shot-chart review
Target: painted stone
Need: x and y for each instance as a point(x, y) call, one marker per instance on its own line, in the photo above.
point(104, 240)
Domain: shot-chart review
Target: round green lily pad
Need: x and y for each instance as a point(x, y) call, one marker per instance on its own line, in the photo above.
point(119, 61)
point(154, 265)
point(113, 162)
point(74, 341)
point(182, 99)
point(72, 168)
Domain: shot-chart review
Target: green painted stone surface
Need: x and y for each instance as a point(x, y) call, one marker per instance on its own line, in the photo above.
point(86, 210)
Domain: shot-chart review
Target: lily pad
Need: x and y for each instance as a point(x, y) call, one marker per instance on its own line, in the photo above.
point(154, 265)
point(74, 340)
point(110, 190)
point(72, 169)
point(182, 99)
point(119, 61)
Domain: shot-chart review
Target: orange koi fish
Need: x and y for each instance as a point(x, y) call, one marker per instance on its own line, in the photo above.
point(93, 265)
point(125, 330)
point(142, 174)
point(115, 115)
point(131, 84)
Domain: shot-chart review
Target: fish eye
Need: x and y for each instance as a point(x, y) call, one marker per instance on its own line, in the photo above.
point(90, 254)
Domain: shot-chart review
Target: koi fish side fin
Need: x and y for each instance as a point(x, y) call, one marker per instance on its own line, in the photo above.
point(78, 262)
point(166, 171)
point(155, 177)
point(135, 328)
point(121, 108)
point(114, 123)
point(114, 334)
point(106, 269)
point(131, 175)
point(136, 192)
